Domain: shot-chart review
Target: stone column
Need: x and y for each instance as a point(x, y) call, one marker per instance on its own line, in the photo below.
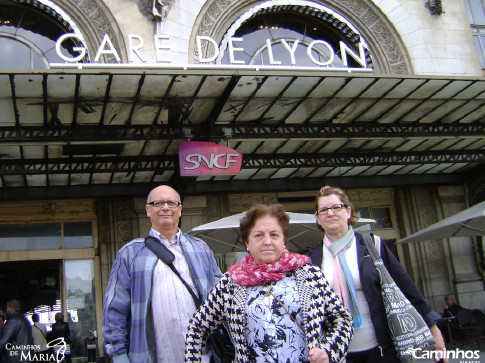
point(116, 226)
point(194, 212)
point(443, 266)
point(427, 262)
point(142, 221)
point(468, 282)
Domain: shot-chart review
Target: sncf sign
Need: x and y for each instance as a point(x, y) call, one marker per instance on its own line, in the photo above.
point(207, 158)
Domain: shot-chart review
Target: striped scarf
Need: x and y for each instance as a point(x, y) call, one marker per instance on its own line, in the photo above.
point(343, 283)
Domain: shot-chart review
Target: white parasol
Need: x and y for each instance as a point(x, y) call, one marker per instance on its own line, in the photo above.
point(224, 235)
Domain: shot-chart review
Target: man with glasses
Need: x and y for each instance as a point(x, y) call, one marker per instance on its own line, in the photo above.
point(147, 306)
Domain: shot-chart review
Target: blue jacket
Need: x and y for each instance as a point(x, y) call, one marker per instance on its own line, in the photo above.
point(127, 320)
point(371, 287)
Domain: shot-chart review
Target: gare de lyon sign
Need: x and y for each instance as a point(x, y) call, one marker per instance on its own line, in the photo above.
point(204, 158)
point(234, 46)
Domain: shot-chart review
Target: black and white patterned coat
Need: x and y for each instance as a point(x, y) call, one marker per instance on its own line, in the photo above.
point(327, 324)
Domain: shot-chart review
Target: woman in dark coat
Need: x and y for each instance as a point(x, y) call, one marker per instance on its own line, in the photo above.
point(345, 261)
point(60, 329)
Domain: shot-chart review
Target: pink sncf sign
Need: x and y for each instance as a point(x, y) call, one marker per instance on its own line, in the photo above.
point(203, 158)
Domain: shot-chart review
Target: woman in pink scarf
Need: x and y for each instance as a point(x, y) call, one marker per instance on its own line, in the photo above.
point(277, 306)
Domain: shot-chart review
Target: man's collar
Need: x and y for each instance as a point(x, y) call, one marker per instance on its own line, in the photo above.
point(162, 238)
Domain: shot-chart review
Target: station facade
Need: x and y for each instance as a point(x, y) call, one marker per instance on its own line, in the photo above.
point(383, 98)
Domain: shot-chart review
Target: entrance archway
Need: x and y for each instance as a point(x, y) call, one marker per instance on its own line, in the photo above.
point(90, 20)
point(385, 46)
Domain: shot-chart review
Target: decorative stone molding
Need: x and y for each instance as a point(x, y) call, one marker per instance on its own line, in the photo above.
point(425, 208)
point(389, 54)
point(161, 8)
point(155, 10)
point(38, 211)
point(123, 217)
point(242, 202)
point(427, 262)
point(476, 190)
point(371, 197)
point(94, 19)
point(435, 7)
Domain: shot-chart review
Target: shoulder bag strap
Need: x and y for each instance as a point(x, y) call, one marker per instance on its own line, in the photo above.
point(371, 247)
point(167, 257)
point(287, 311)
point(40, 330)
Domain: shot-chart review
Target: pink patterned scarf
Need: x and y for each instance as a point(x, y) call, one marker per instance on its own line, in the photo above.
point(249, 273)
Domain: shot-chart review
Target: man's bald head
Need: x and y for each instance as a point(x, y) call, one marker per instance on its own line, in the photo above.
point(162, 187)
point(164, 219)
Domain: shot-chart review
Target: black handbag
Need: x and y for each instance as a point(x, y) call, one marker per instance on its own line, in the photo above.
point(220, 340)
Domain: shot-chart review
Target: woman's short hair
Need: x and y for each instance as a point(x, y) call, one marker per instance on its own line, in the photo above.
point(14, 304)
point(344, 198)
point(59, 317)
point(262, 210)
point(449, 296)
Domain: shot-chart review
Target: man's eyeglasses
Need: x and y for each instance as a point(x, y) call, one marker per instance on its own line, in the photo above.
point(334, 208)
point(161, 203)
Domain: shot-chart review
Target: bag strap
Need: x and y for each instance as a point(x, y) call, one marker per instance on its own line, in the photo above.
point(370, 243)
point(40, 330)
point(167, 257)
point(268, 291)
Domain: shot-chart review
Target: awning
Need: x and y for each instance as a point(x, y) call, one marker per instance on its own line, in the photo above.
point(99, 128)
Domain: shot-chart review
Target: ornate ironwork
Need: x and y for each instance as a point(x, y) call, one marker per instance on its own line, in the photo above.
point(246, 131)
point(125, 164)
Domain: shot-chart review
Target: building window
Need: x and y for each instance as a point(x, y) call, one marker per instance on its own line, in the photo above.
point(287, 37)
point(476, 14)
point(78, 234)
point(382, 216)
point(45, 236)
point(28, 38)
point(81, 303)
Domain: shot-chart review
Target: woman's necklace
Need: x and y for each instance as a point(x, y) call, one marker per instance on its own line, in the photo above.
point(268, 294)
point(268, 300)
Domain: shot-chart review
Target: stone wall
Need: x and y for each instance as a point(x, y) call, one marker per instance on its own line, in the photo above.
point(444, 266)
point(117, 225)
point(439, 267)
point(435, 44)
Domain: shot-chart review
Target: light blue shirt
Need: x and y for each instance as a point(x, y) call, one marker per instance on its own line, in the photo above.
point(172, 304)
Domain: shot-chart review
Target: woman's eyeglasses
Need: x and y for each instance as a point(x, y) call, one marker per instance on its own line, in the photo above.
point(334, 208)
